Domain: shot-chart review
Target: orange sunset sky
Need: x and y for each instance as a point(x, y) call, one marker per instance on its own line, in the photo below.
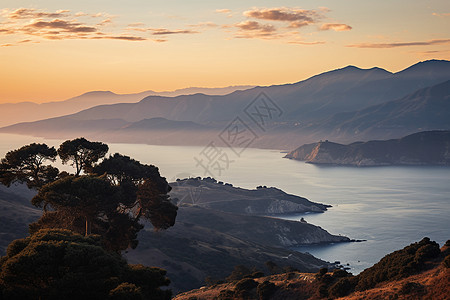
point(54, 50)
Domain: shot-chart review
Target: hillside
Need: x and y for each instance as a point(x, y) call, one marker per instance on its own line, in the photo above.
point(16, 212)
point(425, 109)
point(221, 239)
point(208, 193)
point(423, 148)
point(206, 243)
point(429, 281)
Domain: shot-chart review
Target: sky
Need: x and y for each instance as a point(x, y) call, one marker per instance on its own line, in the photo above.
point(52, 50)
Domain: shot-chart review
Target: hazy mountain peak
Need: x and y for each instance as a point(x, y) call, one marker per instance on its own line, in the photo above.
point(96, 93)
point(433, 65)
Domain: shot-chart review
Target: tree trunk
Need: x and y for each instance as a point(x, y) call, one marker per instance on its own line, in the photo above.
point(88, 226)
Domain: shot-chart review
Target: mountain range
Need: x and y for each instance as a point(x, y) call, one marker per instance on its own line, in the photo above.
point(346, 104)
point(29, 111)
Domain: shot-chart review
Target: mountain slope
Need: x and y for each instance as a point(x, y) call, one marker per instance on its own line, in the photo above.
point(425, 109)
point(423, 148)
point(261, 201)
point(28, 111)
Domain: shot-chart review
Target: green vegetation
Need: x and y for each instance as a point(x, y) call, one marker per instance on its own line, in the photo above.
point(399, 264)
point(105, 204)
point(109, 199)
point(60, 264)
point(26, 165)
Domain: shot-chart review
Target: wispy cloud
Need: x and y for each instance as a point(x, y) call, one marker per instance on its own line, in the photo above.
point(223, 11)
point(165, 31)
point(284, 14)
point(41, 26)
point(204, 25)
point(282, 23)
point(400, 44)
point(63, 24)
point(335, 27)
point(441, 14)
point(31, 13)
point(253, 29)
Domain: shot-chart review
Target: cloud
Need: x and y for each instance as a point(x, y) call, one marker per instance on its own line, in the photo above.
point(335, 27)
point(62, 24)
point(400, 44)
point(204, 25)
point(282, 23)
point(283, 14)
point(31, 13)
point(298, 24)
point(253, 25)
point(306, 43)
point(137, 24)
point(253, 29)
point(223, 11)
point(164, 31)
point(441, 14)
point(58, 24)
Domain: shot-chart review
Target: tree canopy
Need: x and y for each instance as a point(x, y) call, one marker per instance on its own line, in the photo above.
point(110, 199)
point(82, 153)
point(60, 264)
point(26, 165)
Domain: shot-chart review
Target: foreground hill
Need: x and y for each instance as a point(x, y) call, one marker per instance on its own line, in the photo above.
point(423, 148)
point(207, 243)
point(419, 271)
point(204, 242)
point(16, 212)
point(208, 193)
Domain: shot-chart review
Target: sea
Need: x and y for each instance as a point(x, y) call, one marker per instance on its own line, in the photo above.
point(387, 207)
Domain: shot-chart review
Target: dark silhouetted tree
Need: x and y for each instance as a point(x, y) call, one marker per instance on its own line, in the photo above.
point(26, 165)
point(82, 153)
point(59, 264)
point(92, 204)
point(109, 201)
point(85, 197)
point(144, 186)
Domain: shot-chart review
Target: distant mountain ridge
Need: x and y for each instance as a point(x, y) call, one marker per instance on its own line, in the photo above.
point(423, 148)
point(345, 105)
point(318, 97)
point(29, 111)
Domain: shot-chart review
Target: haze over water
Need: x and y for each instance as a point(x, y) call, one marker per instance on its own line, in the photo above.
point(390, 207)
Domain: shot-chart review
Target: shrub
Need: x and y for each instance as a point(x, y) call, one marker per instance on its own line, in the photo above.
point(246, 284)
point(126, 291)
point(446, 261)
point(412, 288)
point(399, 264)
point(226, 295)
point(266, 289)
point(341, 288)
point(339, 273)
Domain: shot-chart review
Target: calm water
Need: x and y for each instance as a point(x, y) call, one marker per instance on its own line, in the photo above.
point(390, 207)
